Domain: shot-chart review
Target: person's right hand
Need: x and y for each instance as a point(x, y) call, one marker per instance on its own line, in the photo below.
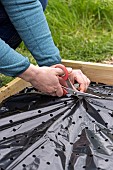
point(44, 79)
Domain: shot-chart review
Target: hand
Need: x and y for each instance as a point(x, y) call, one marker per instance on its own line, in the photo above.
point(76, 76)
point(80, 78)
point(61, 79)
point(44, 79)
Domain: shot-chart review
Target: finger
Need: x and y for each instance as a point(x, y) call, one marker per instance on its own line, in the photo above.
point(62, 81)
point(59, 71)
point(69, 69)
point(82, 85)
point(78, 77)
point(72, 77)
point(86, 82)
point(56, 91)
point(82, 88)
point(59, 91)
point(53, 94)
point(82, 80)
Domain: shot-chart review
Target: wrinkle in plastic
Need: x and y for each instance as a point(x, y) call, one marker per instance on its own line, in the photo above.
point(39, 132)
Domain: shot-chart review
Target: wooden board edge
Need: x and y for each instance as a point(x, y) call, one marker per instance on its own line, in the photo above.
point(12, 88)
point(96, 72)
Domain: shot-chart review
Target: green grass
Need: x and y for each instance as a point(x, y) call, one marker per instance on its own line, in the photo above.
point(81, 29)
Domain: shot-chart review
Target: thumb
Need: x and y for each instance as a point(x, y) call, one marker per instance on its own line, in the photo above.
point(69, 69)
point(60, 72)
point(60, 66)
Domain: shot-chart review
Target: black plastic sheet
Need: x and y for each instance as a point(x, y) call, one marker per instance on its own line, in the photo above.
point(39, 132)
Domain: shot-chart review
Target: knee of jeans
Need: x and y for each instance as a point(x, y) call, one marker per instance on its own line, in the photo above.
point(44, 3)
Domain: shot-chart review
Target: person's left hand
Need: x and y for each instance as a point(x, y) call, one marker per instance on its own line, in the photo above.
point(76, 76)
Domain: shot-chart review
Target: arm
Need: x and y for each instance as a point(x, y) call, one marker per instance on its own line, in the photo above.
point(11, 62)
point(29, 20)
point(44, 79)
point(39, 41)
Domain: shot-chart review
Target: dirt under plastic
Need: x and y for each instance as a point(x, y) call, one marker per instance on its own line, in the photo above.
point(39, 132)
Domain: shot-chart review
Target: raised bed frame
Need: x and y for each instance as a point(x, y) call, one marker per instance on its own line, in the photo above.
point(96, 72)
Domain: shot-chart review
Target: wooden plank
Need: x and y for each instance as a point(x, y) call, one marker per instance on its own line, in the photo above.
point(96, 72)
point(12, 88)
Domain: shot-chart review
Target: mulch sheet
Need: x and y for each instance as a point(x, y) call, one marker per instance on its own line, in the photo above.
point(40, 132)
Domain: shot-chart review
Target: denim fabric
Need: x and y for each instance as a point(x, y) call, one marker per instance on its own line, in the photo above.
point(8, 32)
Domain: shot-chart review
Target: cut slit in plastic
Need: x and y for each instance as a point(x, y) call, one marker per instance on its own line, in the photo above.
point(39, 132)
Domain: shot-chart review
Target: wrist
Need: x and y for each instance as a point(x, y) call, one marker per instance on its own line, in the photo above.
point(29, 74)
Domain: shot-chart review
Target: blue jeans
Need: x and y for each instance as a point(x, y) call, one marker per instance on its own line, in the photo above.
point(7, 31)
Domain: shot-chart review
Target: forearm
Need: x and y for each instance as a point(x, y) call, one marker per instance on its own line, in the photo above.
point(30, 73)
point(11, 62)
point(29, 20)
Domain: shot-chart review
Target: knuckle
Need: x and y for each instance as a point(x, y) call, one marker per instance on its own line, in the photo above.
point(50, 91)
point(88, 81)
point(79, 71)
point(60, 95)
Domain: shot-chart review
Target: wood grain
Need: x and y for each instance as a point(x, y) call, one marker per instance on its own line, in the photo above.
point(12, 88)
point(96, 72)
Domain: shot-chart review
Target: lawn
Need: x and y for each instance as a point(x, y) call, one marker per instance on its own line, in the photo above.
point(81, 29)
